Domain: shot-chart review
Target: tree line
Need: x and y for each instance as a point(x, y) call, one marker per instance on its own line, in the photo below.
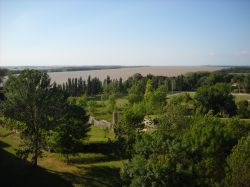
point(189, 82)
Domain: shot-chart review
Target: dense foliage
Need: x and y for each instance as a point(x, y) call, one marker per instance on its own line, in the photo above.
point(238, 169)
point(39, 105)
point(71, 130)
point(28, 99)
point(217, 98)
point(192, 152)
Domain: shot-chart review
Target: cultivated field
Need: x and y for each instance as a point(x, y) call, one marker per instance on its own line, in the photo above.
point(124, 73)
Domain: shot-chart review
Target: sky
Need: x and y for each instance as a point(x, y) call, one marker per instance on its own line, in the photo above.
point(128, 32)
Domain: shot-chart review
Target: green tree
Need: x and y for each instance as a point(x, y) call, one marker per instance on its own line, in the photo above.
point(89, 85)
point(72, 130)
point(135, 93)
point(183, 151)
point(243, 110)
point(207, 140)
point(30, 99)
point(148, 97)
point(71, 100)
point(148, 91)
point(158, 162)
point(159, 99)
point(238, 170)
point(111, 105)
point(128, 126)
point(91, 106)
point(247, 83)
point(2, 74)
point(173, 84)
point(217, 98)
point(158, 157)
point(82, 101)
point(217, 77)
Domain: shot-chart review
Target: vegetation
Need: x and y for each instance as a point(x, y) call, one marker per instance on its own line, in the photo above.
point(91, 168)
point(72, 129)
point(216, 98)
point(238, 171)
point(190, 130)
point(29, 99)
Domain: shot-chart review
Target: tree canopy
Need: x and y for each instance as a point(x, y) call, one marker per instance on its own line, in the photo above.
point(29, 99)
point(217, 98)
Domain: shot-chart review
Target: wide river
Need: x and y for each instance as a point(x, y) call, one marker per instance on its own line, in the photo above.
point(124, 73)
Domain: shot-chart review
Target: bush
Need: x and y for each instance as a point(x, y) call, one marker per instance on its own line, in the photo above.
point(243, 109)
point(238, 170)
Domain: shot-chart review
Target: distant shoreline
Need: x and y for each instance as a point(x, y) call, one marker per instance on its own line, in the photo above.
point(57, 68)
point(126, 72)
point(62, 73)
point(17, 69)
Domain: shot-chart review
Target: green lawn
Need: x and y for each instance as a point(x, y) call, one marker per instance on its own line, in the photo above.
point(238, 96)
point(170, 94)
point(95, 166)
point(100, 135)
point(241, 96)
point(101, 111)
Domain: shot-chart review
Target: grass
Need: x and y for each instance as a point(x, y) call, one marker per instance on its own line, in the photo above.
point(101, 111)
point(100, 135)
point(11, 139)
point(96, 166)
point(170, 94)
point(238, 96)
point(241, 97)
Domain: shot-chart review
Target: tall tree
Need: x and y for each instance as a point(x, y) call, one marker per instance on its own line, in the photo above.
point(2, 74)
point(89, 85)
point(120, 85)
point(72, 130)
point(80, 87)
point(243, 109)
point(247, 83)
point(29, 99)
point(135, 93)
point(128, 126)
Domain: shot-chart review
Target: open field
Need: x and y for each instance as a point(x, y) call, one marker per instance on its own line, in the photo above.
point(241, 96)
point(238, 96)
point(100, 135)
point(124, 73)
point(93, 167)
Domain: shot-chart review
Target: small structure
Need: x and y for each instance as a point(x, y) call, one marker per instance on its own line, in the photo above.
point(100, 123)
point(103, 123)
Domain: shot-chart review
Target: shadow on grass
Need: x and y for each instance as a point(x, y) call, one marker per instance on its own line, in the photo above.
point(95, 176)
point(18, 172)
point(92, 159)
point(103, 175)
point(107, 148)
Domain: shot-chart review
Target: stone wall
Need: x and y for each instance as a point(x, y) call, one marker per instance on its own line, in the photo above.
point(100, 123)
point(104, 123)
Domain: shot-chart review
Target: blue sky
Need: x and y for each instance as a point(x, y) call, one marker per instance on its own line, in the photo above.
point(129, 32)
